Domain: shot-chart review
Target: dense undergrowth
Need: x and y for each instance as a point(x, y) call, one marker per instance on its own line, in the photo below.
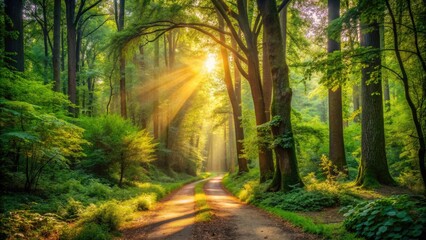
point(382, 218)
point(80, 206)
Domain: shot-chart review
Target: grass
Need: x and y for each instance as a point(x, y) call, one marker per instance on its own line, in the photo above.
point(307, 224)
point(93, 207)
point(248, 189)
point(203, 211)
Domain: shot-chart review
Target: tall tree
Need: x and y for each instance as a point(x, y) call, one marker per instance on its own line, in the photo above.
point(374, 167)
point(336, 146)
point(287, 173)
point(266, 78)
point(42, 20)
point(14, 38)
point(239, 131)
point(72, 19)
point(235, 102)
point(72, 56)
point(119, 20)
point(56, 51)
point(253, 74)
point(407, 88)
point(156, 102)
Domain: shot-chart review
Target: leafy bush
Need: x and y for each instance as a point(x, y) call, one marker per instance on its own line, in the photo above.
point(72, 209)
point(98, 190)
point(24, 224)
point(300, 200)
point(145, 201)
point(399, 217)
point(35, 140)
point(111, 215)
point(116, 146)
point(89, 231)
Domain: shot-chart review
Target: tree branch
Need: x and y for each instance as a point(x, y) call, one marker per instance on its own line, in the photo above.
point(283, 5)
point(81, 12)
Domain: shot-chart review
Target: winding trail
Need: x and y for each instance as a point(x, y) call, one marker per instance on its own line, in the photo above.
point(174, 218)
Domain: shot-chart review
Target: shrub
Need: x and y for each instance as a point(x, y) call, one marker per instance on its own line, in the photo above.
point(89, 231)
point(145, 202)
point(98, 190)
point(72, 209)
point(399, 217)
point(117, 145)
point(111, 215)
point(24, 224)
point(300, 200)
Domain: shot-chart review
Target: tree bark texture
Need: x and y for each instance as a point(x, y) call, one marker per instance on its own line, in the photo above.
point(122, 60)
point(287, 173)
point(336, 146)
point(235, 104)
point(14, 46)
point(56, 51)
point(267, 80)
point(419, 129)
point(250, 48)
point(72, 57)
point(374, 167)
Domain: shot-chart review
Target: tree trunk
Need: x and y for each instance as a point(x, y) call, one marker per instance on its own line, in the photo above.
point(235, 104)
point(287, 173)
point(14, 47)
point(232, 146)
point(79, 63)
point(56, 51)
point(156, 101)
point(356, 100)
point(122, 60)
point(45, 32)
point(72, 57)
point(336, 147)
point(419, 129)
point(236, 114)
point(374, 167)
point(267, 79)
point(386, 90)
point(266, 164)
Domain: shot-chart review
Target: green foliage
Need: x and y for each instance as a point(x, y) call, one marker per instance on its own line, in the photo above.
point(203, 211)
point(22, 87)
point(24, 224)
point(89, 231)
point(398, 217)
point(301, 200)
point(145, 201)
point(111, 214)
point(244, 186)
point(72, 209)
point(116, 146)
point(253, 192)
point(35, 140)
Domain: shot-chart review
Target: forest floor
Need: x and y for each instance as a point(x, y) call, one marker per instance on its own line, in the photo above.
point(174, 218)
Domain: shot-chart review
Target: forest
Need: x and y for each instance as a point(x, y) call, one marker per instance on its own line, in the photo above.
point(212, 119)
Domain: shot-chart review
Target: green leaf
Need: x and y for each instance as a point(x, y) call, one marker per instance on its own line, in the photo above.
point(402, 214)
point(20, 135)
point(391, 213)
point(382, 229)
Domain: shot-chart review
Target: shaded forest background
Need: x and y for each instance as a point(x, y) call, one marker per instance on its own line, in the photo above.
point(109, 101)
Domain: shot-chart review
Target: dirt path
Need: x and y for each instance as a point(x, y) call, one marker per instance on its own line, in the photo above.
point(174, 219)
point(235, 220)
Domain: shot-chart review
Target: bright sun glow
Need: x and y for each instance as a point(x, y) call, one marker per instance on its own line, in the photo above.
point(210, 62)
